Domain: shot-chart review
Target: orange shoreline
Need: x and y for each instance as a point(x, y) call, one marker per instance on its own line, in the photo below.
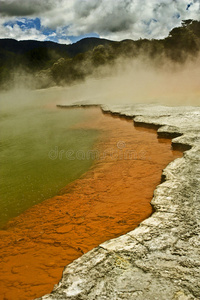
point(112, 198)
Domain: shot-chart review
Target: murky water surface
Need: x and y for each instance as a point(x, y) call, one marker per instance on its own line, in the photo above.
point(35, 136)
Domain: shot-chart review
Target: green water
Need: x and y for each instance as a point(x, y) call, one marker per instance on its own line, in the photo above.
point(34, 140)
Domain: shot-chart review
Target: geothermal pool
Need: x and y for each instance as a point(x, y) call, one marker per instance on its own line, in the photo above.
point(33, 136)
point(96, 197)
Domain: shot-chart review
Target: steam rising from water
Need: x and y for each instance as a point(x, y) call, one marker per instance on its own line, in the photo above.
point(128, 81)
point(139, 82)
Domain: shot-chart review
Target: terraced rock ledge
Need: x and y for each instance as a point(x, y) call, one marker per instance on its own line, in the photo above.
point(160, 259)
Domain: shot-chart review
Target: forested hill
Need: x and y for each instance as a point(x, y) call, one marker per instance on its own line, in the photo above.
point(38, 54)
point(24, 47)
point(63, 64)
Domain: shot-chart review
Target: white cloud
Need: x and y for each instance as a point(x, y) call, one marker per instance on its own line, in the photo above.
point(17, 33)
point(113, 19)
point(63, 41)
point(25, 7)
point(120, 19)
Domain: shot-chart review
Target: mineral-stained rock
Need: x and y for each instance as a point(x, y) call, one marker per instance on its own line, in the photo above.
point(161, 258)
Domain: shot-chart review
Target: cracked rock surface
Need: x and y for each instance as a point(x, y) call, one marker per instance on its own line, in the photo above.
point(160, 259)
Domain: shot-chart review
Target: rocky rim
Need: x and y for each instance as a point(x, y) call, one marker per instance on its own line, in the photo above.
point(160, 259)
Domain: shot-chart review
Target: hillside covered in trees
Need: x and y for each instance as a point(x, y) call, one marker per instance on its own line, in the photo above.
point(54, 64)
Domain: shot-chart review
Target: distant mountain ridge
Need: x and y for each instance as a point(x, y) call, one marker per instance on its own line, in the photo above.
point(21, 47)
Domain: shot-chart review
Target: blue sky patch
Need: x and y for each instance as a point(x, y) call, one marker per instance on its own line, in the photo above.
point(25, 23)
point(177, 16)
point(51, 35)
point(188, 6)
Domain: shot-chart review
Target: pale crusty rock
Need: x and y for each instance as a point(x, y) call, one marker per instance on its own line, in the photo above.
point(160, 259)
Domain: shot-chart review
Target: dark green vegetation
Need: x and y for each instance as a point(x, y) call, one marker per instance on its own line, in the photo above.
point(51, 63)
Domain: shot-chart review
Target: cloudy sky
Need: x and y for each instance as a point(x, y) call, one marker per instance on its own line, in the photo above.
point(66, 21)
